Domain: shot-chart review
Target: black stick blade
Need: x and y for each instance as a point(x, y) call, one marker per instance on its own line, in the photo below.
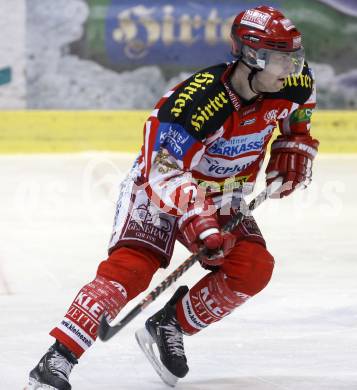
point(104, 329)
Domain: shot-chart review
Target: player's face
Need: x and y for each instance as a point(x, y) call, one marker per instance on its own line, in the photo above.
point(280, 64)
point(268, 82)
point(277, 67)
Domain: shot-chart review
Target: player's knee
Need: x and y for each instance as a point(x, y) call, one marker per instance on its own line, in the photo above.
point(252, 271)
point(133, 268)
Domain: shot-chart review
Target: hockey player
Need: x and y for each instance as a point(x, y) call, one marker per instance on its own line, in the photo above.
point(204, 145)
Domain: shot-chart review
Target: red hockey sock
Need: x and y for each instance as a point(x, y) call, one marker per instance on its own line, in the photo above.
point(208, 301)
point(126, 273)
point(245, 272)
point(78, 330)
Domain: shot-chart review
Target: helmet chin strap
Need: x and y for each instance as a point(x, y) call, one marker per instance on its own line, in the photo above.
point(251, 75)
point(253, 72)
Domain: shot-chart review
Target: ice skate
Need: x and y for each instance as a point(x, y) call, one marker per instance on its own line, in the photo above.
point(52, 371)
point(163, 330)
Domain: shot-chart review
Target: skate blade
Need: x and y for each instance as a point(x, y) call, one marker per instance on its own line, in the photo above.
point(35, 385)
point(146, 342)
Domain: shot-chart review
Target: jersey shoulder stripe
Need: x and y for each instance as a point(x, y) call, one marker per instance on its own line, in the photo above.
point(200, 104)
point(297, 89)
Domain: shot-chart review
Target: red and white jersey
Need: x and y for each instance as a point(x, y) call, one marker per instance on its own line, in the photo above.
point(201, 133)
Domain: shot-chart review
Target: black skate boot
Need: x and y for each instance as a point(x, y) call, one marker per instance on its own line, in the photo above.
point(52, 371)
point(163, 330)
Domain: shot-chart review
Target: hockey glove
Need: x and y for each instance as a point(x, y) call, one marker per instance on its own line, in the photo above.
point(290, 164)
point(200, 230)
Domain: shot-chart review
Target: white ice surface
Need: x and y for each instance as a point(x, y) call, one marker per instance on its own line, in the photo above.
point(300, 333)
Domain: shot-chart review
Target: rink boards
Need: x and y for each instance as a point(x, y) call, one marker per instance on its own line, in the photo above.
point(74, 131)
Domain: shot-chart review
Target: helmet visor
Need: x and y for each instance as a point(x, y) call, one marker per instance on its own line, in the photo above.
point(279, 63)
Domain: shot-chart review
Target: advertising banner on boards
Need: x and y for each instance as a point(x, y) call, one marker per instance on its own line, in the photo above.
point(125, 33)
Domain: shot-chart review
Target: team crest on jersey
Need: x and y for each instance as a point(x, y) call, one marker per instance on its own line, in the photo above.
point(271, 116)
point(164, 162)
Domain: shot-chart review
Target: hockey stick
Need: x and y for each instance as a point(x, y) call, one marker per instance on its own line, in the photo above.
point(106, 331)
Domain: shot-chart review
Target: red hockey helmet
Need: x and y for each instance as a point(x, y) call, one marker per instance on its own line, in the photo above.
point(263, 37)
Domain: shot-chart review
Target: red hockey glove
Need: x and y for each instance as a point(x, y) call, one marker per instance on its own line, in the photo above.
point(290, 163)
point(200, 229)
